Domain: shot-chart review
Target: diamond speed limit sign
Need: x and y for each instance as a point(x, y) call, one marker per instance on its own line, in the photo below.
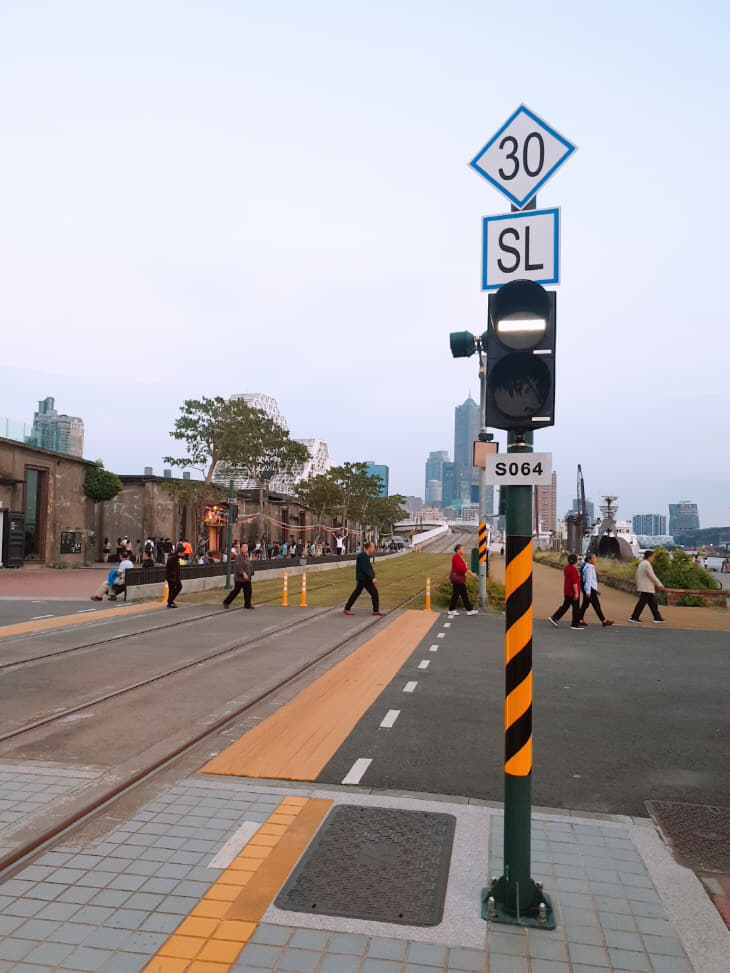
point(519, 469)
point(522, 156)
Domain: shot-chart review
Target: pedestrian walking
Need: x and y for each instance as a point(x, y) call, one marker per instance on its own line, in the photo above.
point(172, 575)
point(590, 592)
point(457, 577)
point(647, 584)
point(571, 595)
point(243, 572)
point(107, 548)
point(365, 580)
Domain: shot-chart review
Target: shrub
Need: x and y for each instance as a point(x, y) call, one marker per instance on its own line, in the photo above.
point(679, 571)
point(495, 593)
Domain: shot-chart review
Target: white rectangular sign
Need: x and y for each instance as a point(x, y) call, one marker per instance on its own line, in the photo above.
point(521, 246)
point(519, 469)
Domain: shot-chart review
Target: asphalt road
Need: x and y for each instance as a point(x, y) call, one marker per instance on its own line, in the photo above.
point(16, 610)
point(620, 716)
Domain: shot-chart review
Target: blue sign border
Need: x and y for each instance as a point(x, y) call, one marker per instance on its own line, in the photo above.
point(527, 214)
point(521, 203)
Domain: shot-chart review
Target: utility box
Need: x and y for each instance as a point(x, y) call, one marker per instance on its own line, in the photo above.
point(475, 560)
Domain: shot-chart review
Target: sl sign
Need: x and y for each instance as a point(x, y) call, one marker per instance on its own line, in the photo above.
point(521, 246)
point(522, 156)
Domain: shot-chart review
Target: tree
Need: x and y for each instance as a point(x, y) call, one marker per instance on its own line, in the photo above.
point(358, 488)
point(230, 439)
point(322, 493)
point(384, 512)
point(100, 484)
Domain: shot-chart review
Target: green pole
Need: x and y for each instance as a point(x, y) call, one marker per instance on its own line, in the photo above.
point(515, 898)
point(231, 498)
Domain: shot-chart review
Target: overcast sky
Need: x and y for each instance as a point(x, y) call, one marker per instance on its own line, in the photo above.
point(201, 198)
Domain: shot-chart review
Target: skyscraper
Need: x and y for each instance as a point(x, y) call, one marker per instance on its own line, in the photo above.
point(466, 431)
point(546, 507)
point(434, 477)
point(650, 525)
point(376, 469)
point(683, 516)
point(61, 433)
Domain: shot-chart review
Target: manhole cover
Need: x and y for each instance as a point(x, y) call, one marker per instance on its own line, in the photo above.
point(375, 863)
point(698, 834)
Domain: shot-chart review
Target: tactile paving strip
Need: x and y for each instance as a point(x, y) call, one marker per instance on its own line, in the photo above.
point(375, 863)
point(699, 834)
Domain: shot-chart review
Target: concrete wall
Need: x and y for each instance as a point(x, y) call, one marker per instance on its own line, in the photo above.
point(143, 508)
point(65, 508)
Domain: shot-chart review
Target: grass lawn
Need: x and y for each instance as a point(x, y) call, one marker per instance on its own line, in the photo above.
point(398, 579)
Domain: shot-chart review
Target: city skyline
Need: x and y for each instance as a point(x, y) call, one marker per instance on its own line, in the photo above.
point(206, 205)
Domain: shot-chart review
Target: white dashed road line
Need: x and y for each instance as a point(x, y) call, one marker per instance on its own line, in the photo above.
point(357, 770)
point(441, 635)
point(409, 687)
point(423, 664)
point(390, 717)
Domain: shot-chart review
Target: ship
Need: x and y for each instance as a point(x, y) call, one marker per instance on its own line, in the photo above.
point(611, 537)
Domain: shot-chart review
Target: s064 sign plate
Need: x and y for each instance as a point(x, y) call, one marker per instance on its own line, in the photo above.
point(519, 469)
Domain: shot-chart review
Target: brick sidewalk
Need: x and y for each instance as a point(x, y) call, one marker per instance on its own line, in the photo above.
point(50, 583)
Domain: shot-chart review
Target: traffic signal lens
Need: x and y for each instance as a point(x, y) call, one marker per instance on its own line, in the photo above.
point(522, 330)
point(521, 386)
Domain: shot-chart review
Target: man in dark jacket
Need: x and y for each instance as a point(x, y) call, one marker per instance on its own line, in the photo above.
point(243, 571)
point(172, 574)
point(365, 578)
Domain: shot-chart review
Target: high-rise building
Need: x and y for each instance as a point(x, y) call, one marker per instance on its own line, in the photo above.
point(683, 516)
point(590, 512)
point(375, 469)
point(448, 484)
point(61, 433)
point(650, 525)
point(434, 477)
point(466, 431)
point(545, 510)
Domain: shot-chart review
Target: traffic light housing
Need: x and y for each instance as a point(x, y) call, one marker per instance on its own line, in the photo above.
point(463, 344)
point(520, 346)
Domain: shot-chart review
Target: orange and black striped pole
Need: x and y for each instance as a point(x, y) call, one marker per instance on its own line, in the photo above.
point(482, 549)
point(515, 898)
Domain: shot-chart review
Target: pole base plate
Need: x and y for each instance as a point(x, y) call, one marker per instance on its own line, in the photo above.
point(538, 914)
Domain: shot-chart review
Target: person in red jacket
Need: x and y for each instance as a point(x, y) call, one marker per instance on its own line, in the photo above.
point(458, 576)
point(571, 593)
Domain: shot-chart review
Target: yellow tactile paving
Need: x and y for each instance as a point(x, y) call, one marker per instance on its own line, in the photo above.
point(48, 624)
point(211, 938)
point(298, 740)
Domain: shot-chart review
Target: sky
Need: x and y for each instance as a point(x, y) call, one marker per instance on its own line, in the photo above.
point(235, 196)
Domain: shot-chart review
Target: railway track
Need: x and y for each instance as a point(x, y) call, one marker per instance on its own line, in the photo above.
point(115, 789)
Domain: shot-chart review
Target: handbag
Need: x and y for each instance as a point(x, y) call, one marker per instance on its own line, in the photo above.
point(457, 578)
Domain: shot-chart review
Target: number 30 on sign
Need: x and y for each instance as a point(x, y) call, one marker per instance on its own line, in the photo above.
point(513, 469)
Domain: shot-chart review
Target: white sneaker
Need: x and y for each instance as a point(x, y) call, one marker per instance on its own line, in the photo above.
point(473, 612)
point(552, 621)
point(451, 614)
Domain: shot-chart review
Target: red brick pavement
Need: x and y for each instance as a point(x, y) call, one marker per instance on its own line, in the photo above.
point(42, 582)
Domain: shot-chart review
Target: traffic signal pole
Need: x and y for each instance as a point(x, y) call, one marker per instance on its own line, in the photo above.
point(229, 534)
point(483, 600)
point(515, 898)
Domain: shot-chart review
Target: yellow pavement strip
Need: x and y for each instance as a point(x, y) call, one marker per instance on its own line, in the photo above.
point(211, 937)
point(48, 624)
point(297, 741)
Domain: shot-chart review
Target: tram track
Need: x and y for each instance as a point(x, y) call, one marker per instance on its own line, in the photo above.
point(115, 789)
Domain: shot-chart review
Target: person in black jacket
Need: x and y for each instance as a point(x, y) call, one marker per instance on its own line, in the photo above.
point(172, 574)
point(365, 578)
